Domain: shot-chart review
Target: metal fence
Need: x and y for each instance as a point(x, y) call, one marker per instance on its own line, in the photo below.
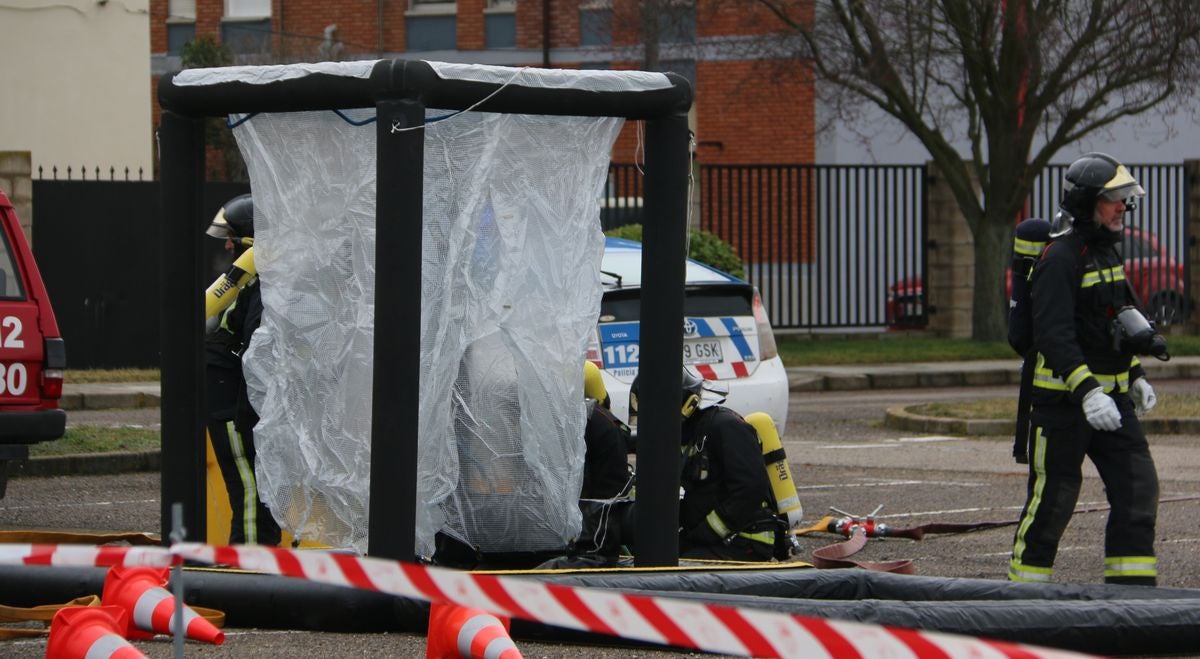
point(97, 247)
point(824, 244)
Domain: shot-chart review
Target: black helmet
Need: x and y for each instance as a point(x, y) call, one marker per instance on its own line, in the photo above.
point(1087, 179)
point(692, 390)
point(234, 220)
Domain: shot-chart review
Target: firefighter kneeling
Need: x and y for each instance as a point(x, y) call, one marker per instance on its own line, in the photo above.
point(728, 510)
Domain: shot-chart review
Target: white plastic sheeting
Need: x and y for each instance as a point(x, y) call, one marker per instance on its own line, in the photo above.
point(510, 291)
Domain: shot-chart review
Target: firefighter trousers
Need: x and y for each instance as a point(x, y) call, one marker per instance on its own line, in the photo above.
point(1061, 439)
point(251, 521)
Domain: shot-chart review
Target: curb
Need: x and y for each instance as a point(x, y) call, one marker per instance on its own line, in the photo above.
point(900, 418)
point(86, 464)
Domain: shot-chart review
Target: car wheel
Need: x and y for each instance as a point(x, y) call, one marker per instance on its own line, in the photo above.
point(1166, 307)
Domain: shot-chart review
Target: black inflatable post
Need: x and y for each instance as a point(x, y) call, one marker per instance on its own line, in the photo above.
point(664, 253)
point(181, 315)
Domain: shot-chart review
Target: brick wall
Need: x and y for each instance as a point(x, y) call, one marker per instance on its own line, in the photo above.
point(746, 111)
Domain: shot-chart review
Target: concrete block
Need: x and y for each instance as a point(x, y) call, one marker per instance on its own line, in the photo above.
point(19, 163)
point(893, 380)
point(840, 382)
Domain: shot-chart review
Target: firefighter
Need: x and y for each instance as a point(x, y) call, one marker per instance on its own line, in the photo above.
point(231, 419)
point(606, 471)
point(727, 512)
point(1088, 386)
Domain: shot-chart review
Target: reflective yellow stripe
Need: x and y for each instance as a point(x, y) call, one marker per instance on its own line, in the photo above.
point(1020, 572)
point(1027, 247)
point(1135, 362)
point(1078, 376)
point(1039, 484)
point(1115, 273)
point(1044, 378)
point(1131, 566)
point(765, 537)
point(717, 524)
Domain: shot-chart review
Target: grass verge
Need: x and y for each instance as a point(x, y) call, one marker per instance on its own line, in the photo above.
point(99, 439)
point(87, 376)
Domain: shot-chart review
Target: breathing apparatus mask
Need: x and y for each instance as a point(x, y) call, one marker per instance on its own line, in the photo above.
point(697, 394)
point(1133, 332)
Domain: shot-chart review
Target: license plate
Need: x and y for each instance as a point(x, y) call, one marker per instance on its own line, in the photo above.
point(702, 352)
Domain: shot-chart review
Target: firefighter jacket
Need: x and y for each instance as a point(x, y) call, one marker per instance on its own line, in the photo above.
point(726, 491)
point(606, 471)
point(1077, 288)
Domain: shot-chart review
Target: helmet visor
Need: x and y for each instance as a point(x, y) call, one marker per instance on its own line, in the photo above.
point(220, 227)
point(1122, 186)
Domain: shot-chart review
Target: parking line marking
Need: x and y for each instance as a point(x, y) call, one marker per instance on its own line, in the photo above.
point(895, 443)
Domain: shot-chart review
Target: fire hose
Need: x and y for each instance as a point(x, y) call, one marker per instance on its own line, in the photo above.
point(858, 529)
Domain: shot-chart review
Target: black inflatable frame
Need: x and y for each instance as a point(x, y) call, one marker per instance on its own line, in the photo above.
point(400, 91)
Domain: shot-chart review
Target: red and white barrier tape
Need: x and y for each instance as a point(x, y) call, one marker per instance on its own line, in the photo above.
point(682, 623)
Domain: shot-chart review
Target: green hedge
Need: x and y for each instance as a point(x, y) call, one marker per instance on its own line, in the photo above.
point(704, 246)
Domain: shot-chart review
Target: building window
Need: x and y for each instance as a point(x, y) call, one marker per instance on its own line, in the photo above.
point(247, 37)
point(677, 24)
point(181, 24)
point(595, 24)
point(178, 34)
point(181, 10)
point(431, 25)
point(247, 8)
point(500, 27)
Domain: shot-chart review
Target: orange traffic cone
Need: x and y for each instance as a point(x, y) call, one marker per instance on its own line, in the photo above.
point(151, 607)
point(79, 632)
point(456, 631)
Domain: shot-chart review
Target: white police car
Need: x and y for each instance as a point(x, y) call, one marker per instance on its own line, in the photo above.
point(727, 337)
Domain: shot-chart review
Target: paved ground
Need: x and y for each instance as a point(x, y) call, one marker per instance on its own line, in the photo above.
point(840, 453)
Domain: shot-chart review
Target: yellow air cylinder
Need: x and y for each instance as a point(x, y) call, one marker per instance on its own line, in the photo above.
point(593, 385)
point(786, 500)
point(225, 289)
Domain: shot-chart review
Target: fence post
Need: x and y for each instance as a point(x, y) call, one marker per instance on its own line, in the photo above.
point(951, 261)
point(16, 179)
point(1191, 177)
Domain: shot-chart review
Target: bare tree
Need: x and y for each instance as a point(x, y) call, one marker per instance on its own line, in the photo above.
point(1019, 80)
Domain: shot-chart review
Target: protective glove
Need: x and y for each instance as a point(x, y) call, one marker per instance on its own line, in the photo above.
point(1143, 396)
point(1101, 410)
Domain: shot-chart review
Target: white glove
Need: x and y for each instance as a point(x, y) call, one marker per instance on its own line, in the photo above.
point(1143, 396)
point(1101, 410)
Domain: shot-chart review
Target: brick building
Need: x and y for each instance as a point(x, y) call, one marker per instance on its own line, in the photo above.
point(748, 109)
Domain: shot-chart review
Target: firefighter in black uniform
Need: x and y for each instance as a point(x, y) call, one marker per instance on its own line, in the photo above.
point(231, 419)
point(1088, 385)
point(727, 511)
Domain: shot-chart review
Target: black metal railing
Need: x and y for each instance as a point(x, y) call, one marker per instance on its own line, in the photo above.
point(93, 173)
point(828, 246)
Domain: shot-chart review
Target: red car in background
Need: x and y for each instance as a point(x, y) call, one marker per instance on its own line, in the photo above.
point(32, 353)
point(1155, 275)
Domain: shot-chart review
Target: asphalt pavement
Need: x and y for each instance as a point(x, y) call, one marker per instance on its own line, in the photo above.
point(92, 402)
point(840, 453)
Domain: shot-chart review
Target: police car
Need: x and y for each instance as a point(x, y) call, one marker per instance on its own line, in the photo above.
point(727, 337)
